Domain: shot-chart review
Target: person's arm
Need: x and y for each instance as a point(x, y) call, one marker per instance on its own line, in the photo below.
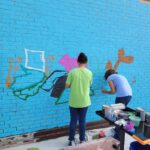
point(68, 81)
point(112, 88)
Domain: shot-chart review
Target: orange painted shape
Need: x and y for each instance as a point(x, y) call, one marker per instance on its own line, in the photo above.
point(8, 79)
point(121, 59)
point(127, 59)
point(121, 53)
point(141, 141)
point(116, 65)
point(8, 82)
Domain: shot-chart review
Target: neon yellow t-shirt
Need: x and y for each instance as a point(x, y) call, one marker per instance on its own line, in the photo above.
point(80, 80)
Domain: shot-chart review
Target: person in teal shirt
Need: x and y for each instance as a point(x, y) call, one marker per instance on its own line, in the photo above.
point(79, 81)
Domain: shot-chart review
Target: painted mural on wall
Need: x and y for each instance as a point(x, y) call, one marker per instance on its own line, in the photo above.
point(20, 77)
point(121, 59)
point(58, 79)
point(37, 66)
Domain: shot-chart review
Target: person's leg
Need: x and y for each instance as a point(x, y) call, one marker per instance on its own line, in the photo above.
point(118, 100)
point(73, 123)
point(82, 123)
point(125, 100)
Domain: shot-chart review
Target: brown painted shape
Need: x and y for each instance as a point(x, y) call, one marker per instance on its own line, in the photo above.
point(49, 64)
point(121, 53)
point(116, 65)
point(127, 59)
point(8, 79)
point(108, 65)
point(121, 58)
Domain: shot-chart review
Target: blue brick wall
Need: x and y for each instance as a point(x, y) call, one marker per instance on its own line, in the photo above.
point(57, 28)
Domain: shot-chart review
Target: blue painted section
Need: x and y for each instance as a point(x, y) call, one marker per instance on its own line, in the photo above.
point(98, 28)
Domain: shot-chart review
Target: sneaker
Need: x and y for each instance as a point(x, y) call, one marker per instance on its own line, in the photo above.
point(82, 141)
point(72, 143)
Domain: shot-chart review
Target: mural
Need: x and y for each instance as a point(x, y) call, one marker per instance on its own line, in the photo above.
point(49, 65)
point(12, 68)
point(36, 65)
point(40, 68)
point(36, 56)
point(68, 62)
point(121, 59)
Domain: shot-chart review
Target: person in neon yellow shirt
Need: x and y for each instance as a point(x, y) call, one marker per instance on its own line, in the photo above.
point(79, 81)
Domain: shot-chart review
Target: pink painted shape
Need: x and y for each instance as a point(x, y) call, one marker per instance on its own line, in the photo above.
point(68, 62)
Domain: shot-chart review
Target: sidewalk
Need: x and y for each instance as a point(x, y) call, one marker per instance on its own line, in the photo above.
point(56, 144)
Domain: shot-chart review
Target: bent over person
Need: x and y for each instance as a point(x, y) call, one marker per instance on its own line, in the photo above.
point(119, 85)
point(79, 81)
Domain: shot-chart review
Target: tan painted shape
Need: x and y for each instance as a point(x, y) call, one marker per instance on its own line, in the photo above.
point(145, 1)
point(8, 79)
point(121, 58)
point(108, 65)
point(120, 53)
point(46, 67)
point(116, 65)
point(127, 59)
point(49, 64)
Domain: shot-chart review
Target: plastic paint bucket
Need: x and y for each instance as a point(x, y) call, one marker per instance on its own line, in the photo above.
point(135, 120)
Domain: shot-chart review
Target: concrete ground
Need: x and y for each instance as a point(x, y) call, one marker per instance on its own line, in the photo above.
point(56, 144)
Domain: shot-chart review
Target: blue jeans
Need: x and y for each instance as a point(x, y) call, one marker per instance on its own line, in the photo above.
point(125, 100)
point(75, 115)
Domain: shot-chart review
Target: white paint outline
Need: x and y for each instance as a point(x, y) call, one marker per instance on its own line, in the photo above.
point(27, 59)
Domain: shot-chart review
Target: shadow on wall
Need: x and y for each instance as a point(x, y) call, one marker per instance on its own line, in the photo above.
point(31, 78)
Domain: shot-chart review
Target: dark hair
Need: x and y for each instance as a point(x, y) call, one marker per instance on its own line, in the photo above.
point(109, 72)
point(82, 58)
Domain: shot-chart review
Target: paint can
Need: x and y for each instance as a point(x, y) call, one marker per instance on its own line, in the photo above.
point(105, 108)
point(141, 113)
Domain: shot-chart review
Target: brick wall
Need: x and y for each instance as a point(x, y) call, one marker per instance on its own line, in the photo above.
point(39, 37)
